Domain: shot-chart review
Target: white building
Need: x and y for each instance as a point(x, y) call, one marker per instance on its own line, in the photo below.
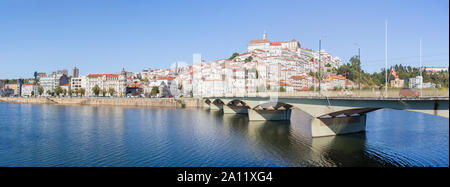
point(52, 81)
point(78, 82)
point(106, 81)
point(272, 47)
point(416, 82)
point(28, 88)
point(436, 69)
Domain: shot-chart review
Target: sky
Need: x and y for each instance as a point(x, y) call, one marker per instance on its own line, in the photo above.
point(104, 36)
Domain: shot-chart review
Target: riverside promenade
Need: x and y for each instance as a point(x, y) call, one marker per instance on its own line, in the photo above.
point(144, 102)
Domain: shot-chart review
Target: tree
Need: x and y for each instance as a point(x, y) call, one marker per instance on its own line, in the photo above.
point(40, 90)
point(111, 91)
point(81, 91)
point(58, 90)
point(104, 92)
point(155, 91)
point(64, 92)
point(282, 89)
point(248, 59)
point(32, 93)
point(234, 55)
point(70, 92)
point(35, 77)
point(96, 90)
point(49, 92)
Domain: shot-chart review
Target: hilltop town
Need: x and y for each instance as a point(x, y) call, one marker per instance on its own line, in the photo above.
point(266, 66)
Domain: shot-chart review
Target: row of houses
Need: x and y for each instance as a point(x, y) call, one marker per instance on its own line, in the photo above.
point(265, 66)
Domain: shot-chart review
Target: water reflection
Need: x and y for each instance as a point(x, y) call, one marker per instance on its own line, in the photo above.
point(53, 135)
point(292, 145)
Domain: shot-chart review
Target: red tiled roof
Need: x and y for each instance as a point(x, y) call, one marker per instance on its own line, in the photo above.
point(276, 43)
point(259, 41)
point(336, 77)
point(298, 77)
point(165, 78)
point(91, 76)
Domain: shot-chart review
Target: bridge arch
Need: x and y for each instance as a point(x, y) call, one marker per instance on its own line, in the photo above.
point(237, 103)
point(273, 111)
point(218, 102)
point(273, 106)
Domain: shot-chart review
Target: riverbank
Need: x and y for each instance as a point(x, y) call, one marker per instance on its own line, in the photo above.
point(145, 102)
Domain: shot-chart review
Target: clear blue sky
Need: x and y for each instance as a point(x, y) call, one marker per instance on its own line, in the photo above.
point(102, 36)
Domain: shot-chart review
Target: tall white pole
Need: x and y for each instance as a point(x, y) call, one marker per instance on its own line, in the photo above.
point(420, 66)
point(386, 56)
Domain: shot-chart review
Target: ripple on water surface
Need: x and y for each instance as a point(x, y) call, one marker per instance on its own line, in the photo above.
point(52, 135)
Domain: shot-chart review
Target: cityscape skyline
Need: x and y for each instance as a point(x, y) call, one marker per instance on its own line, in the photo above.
point(147, 38)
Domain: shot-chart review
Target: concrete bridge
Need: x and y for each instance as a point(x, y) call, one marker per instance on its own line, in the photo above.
point(328, 116)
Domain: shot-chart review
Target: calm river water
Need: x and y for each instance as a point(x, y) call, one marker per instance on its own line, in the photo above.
point(52, 135)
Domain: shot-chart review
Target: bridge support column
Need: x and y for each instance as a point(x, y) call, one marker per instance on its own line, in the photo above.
point(337, 125)
point(269, 115)
point(234, 110)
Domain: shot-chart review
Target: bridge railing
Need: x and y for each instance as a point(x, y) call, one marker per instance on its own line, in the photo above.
point(375, 93)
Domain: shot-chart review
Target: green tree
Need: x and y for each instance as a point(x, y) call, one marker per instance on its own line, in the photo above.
point(248, 59)
point(111, 91)
point(40, 90)
point(155, 91)
point(58, 90)
point(35, 77)
point(32, 93)
point(49, 92)
point(96, 90)
point(104, 92)
point(64, 92)
point(81, 91)
point(234, 55)
point(282, 89)
point(70, 92)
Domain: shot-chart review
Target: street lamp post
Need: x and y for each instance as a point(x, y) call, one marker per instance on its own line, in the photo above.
point(359, 69)
point(420, 66)
point(320, 46)
point(386, 58)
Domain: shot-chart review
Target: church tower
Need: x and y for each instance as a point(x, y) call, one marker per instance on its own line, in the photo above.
point(264, 36)
point(123, 73)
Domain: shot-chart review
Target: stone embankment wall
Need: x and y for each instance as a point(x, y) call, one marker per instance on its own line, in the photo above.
point(146, 102)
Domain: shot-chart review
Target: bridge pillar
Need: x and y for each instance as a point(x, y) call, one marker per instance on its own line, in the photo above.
point(269, 115)
point(337, 125)
point(234, 110)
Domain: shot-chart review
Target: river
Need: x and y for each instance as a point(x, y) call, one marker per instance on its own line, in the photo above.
point(70, 135)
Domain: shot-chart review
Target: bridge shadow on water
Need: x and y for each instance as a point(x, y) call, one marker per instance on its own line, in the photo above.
point(291, 144)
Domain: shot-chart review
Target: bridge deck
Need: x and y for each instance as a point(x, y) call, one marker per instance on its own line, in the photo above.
point(346, 98)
